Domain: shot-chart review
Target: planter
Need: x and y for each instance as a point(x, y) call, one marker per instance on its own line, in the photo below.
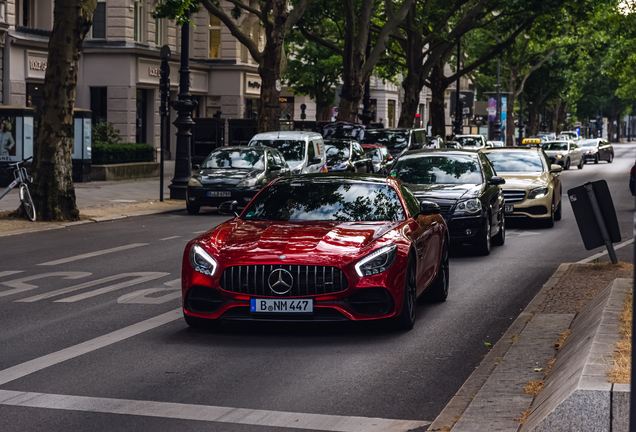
point(124, 171)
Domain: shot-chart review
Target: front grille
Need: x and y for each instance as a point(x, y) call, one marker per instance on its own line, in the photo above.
point(307, 280)
point(444, 209)
point(514, 196)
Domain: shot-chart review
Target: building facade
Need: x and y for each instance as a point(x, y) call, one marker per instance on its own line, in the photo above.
point(118, 78)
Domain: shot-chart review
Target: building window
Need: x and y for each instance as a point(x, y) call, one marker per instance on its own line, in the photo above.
point(215, 37)
point(99, 21)
point(138, 21)
point(391, 113)
point(99, 104)
point(26, 17)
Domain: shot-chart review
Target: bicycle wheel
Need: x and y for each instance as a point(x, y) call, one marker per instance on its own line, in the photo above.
point(27, 202)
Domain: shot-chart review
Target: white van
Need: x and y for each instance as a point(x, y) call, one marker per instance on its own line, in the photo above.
point(303, 151)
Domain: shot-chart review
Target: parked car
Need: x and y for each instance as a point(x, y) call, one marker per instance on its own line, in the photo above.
point(454, 145)
point(326, 247)
point(564, 153)
point(631, 180)
point(464, 185)
point(342, 130)
point(569, 135)
point(380, 156)
point(471, 141)
point(348, 156)
point(533, 188)
point(434, 142)
point(303, 151)
point(495, 144)
point(397, 140)
point(597, 149)
point(548, 136)
point(236, 173)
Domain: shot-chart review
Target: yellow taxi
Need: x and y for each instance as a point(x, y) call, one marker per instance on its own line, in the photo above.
point(533, 187)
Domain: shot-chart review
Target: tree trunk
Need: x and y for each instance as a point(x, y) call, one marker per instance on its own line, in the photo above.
point(53, 191)
point(438, 112)
point(268, 118)
point(562, 118)
point(533, 119)
point(412, 89)
point(352, 92)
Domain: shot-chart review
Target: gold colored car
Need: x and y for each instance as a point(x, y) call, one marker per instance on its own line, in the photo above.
point(533, 188)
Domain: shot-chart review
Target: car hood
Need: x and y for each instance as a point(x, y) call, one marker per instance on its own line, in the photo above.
point(525, 180)
point(445, 191)
point(225, 177)
point(555, 152)
point(239, 240)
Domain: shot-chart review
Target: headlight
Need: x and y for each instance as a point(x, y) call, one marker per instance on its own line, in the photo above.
point(592, 151)
point(201, 261)
point(559, 156)
point(470, 206)
point(248, 182)
point(538, 193)
point(377, 262)
point(194, 182)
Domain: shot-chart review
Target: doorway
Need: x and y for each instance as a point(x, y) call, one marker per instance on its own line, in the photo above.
point(141, 119)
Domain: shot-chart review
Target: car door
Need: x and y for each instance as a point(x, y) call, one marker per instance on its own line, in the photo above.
point(280, 161)
point(606, 151)
point(360, 160)
point(555, 180)
point(492, 194)
point(577, 153)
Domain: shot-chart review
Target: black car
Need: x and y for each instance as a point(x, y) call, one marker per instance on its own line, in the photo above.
point(465, 186)
point(233, 173)
point(597, 149)
point(631, 180)
point(342, 130)
point(348, 156)
point(397, 140)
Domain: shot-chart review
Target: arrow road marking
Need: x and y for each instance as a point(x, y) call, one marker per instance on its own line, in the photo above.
point(93, 254)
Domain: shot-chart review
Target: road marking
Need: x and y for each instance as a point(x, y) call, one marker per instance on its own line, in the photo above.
point(141, 296)
point(93, 254)
point(20, 285)
point(600, 254)
point(527, 233)
point(169, 238)
point(43, 362)
point(140, 277)
point(10, 272)
point(200, 232)
point(263, 418)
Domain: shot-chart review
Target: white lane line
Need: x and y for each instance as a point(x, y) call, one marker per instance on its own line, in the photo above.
point(200, 232)
point(10, 272)
point(317, 422)
point(169, 238)
point(93, 254)
point(600, 254)
point(43, 362)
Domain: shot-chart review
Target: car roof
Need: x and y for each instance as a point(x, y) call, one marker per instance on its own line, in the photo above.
point(348, 139)
point(390, 130)
point(287, 135)
point(246, 148)
point(369, 146)
point(514, 149)
point(336, 176)
point(441, 150)
point(471, 135)
point(557, 140)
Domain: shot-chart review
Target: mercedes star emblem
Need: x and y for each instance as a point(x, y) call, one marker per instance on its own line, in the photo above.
point(280, 281)
point(282, 257)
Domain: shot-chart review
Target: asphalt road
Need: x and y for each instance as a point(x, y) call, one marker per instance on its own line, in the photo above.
point(91, 336)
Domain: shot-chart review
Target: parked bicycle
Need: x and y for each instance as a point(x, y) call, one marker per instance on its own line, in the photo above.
point(21, 178)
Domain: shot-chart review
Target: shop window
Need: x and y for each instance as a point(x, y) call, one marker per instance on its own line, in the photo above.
point(99, 104)
point(99, 21)
point(286, 108)
point(391, 113)
point(215, 37)
point(138, 21)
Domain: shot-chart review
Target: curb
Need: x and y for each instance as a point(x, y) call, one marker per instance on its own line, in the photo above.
point(54, 226)
point(464, 396)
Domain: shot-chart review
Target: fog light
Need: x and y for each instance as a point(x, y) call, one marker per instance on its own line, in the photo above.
point(247, 199)
point(469, 232)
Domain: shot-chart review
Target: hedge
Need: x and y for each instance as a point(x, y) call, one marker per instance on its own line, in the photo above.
point(108, 153)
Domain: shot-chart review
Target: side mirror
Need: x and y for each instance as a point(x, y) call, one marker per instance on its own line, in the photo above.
point(428, 208)
point(315, 161)
point(389, 158)
point(555, 169)
point(228, 208)
point(196, 167)
point(275, 167)
point(496, 180)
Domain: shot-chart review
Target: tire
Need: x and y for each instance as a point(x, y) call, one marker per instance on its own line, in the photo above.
point(549, 222)
point(500, 238)
point(611, 158)
point(596, 159)
point(581, 163)
point(558, 213)
point(438, 291)
point(192, 209)
point(27, 203)
point(566, 166)
point(482, 246)
point(406, 319)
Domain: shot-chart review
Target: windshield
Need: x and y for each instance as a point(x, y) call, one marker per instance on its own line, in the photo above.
point(244, 158)
point(555, 146)
point(504, 161)
point(470, 142)
point(587, 143)
point(337, 151)
point(343, 131)
point(394, 141)
point(326, 201)
point(416, 169)
point(292, 150)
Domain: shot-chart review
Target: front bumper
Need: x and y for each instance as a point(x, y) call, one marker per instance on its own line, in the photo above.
point(590, 156)
point(465, 229)
point(538, 208)
point(198, 195)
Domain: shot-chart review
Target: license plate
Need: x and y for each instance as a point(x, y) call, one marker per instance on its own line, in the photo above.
point(509, 208)
point(281, 306)
point(223, 194)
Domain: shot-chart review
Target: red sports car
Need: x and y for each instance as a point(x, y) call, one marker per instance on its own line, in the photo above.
point(319, 247)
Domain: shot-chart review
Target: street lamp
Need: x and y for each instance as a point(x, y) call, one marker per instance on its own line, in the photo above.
point(497, 124)
point(184, 106)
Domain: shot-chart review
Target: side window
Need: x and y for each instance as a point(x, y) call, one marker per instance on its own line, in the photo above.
point(385, 153)
point(546, 160)
point(412, 203)
point(357, 148)
point(375, 155)
point(279, 159)
point(488, 170)
point(310, 151)
point(270, 159)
